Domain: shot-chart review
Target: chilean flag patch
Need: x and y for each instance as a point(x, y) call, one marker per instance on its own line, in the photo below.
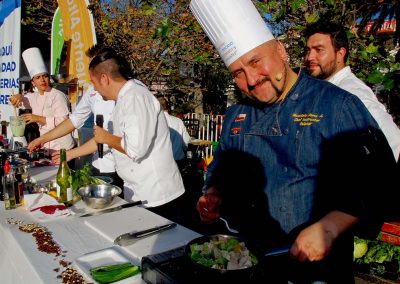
point(240, 117)
point(236, 130)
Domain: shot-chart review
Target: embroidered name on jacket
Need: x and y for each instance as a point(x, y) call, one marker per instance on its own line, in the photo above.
point(240, 117)
point(307, 119)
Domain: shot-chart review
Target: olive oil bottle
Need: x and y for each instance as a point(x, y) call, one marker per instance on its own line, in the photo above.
point(9, 187)
point(64, 180)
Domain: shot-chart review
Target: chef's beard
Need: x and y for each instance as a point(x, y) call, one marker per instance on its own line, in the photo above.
point(325, 71)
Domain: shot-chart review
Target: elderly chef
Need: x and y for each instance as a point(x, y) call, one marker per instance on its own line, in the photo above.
point(280, 151)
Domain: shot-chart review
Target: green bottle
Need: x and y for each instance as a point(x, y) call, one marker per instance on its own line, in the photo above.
point(9, 188)
point(64, 179)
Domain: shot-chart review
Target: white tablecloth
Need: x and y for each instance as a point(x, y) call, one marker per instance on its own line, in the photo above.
point(21, 261)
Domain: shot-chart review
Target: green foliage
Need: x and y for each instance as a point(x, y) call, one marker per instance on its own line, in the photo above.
point(166, 46)
point(82, 177)
point(296, 4)
point(378, 256)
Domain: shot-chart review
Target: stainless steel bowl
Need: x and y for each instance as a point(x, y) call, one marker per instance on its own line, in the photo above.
point(99, 196)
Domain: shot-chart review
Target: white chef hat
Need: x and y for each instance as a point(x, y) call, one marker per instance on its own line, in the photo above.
point(234, 27)
point(34, 61)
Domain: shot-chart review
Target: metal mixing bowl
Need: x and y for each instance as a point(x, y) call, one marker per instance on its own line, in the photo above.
point(98, 196)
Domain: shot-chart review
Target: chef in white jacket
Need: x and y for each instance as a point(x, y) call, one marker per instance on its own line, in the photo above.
point(140, 139)
point(327, 53)
point(90, 103)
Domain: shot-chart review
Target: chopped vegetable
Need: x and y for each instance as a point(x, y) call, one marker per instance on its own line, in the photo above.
point(360, 248)
point(113, 273)
point(223, 253)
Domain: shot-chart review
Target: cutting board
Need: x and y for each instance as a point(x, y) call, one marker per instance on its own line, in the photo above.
point(113, 224)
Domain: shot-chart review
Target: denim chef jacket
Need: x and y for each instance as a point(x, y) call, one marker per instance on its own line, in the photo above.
point(286, 136)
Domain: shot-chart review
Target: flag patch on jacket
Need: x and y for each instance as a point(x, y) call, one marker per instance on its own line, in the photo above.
point(240, 117)
point(236, 130)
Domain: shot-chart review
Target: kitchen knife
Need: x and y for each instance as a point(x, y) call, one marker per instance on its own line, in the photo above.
point(132, 237)
point(278, 251)
point(126, 205)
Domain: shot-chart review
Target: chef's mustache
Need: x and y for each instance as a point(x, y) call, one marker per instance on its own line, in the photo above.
point(259, 82)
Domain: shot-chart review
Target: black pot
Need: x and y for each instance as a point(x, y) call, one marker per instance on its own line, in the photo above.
point(215, 275)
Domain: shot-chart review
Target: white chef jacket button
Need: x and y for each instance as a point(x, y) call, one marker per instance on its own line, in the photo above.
point(285, 169)
point(274, 130)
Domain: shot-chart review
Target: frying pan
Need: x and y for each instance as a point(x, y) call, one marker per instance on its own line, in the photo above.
point(225, 275)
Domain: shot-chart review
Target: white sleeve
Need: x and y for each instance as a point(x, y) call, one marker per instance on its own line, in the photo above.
point(378, 112)
point(82, 111)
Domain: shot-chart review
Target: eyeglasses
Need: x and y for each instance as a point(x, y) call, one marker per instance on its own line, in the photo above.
point(45, 76)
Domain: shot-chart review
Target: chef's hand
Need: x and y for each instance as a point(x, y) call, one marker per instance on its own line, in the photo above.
point(208, 206)
point(35, 145)
point(55, 157)
point(29, 118)
point(101, 135)
point(313, 243)
point(16, 100)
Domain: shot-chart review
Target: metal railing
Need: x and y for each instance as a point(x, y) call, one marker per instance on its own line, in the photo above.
point(206, 127)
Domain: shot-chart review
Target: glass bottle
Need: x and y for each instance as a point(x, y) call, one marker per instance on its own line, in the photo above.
point(9, 187)
point(3, 158)
point(19, 186)
point(64, 180)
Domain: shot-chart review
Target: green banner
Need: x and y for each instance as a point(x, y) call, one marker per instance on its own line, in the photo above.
point(57, 42)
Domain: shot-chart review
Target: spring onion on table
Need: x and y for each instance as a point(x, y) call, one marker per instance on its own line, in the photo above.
point(113, 273)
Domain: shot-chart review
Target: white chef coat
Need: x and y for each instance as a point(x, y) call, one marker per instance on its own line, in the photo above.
point(346, 80)
point(53, 105)
point(179, 136)
point(148, 167)
point(92, 102)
